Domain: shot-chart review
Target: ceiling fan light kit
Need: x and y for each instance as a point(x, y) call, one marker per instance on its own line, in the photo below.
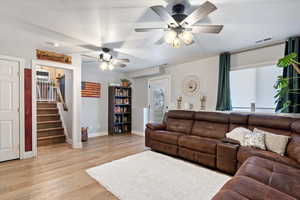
point(180, 26)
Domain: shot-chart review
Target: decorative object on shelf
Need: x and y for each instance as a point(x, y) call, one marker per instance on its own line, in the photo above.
point(119, 110)
point(89, 89)
point(180, 26)
point(179, 101)
point(202, 102)
point(52, 56)
point(191, 85)
point(125, 82)
point(84, 134)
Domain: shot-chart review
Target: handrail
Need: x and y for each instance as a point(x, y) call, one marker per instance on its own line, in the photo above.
point(61, 99)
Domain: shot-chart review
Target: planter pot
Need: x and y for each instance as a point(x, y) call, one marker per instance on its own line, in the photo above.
point(125, 84)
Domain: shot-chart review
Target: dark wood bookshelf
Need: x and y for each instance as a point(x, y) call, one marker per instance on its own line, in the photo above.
point(119, 110)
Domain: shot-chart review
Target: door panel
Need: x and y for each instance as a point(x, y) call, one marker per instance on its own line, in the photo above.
point(9, 114)
point(158, 98)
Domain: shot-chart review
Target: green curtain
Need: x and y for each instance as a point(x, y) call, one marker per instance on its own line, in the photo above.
point(291, 46)
point(224, 98)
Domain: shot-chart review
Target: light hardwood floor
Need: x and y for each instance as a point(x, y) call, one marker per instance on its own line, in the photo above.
point(59, 171)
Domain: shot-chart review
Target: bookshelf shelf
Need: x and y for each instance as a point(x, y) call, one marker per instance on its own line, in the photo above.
point(119, 110)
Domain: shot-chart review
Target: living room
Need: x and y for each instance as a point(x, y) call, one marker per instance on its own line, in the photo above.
point(180, 99)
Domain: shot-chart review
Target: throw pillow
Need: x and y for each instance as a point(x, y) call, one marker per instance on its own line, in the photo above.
point(275, 143)
point(238, 134)
point(256, 140)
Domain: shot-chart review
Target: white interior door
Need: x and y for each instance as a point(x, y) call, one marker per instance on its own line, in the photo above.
point(9, 110)
point(159, 98)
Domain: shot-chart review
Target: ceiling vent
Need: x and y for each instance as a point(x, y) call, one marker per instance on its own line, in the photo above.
point(263, 40)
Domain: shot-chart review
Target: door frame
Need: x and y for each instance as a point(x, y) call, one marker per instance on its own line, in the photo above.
point(169, 77)
point(22, 153)
point(76, 130)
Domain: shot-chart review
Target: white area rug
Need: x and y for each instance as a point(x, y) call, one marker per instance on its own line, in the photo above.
point(154, 176)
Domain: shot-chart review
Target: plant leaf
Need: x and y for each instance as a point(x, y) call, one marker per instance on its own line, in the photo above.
point(287, 60)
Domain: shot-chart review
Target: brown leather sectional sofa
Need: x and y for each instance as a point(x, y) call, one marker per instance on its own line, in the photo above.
point(259, 174)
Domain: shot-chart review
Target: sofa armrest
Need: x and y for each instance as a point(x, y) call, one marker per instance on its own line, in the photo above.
point(230, 141)
point(156, 126)
point(227, 157)
point(293, 149)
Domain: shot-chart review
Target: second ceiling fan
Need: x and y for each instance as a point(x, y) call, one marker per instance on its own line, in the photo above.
point(180, 26)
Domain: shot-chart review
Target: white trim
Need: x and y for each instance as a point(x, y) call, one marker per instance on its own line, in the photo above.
point(97, 134)
point(60, 108)
point(139, 133)
point(69, 140)
point(76, 72)
point(21, 103)
point(169, 77)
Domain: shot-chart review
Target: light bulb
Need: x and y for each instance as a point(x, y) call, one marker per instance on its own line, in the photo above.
point(104, 66)
point(110, 67)
point(187, 37)
point(170, 36)
point(176, 43)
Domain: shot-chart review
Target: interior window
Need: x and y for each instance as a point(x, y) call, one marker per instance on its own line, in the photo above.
point(254, 85)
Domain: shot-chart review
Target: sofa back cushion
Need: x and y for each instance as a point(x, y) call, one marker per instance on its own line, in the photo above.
point(293, 149)
point(211, 124)
point(238, 120)
point(271, 123)
point(180, 121)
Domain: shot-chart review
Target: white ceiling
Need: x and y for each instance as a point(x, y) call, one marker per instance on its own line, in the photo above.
point(32, 23)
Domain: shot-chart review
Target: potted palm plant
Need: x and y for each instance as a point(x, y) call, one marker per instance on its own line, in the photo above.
point(282, 83)
point(125, 82)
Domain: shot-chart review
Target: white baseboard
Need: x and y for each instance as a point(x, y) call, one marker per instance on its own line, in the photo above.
point(97, 134)
point(28, 154)
point(138, 133)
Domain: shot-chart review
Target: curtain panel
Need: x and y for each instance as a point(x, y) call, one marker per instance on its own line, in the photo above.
point(224, 98)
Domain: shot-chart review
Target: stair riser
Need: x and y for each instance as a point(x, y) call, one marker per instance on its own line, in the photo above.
point(46, 105)
point(49, 133)
point(51, 141)
point(49, 125)
point(47, 111)
point(47, 118)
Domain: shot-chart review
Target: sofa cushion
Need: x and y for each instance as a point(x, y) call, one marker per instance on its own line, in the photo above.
point(165, 136)
point(246, 152)
point(293, 149)
point(179, 125)
point(245, 188)
point(271, 123)
point(276, 175)
point(210, 124)
point(238, 134)
point(238, 120)
point(204, 145)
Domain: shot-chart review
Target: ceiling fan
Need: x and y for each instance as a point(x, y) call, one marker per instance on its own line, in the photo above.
point(180, 26)
point(107, 57)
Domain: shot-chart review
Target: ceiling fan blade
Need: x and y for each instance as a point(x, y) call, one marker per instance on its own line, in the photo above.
point(119, 65)
point(121, 60)
point(164, 15)
point(149, 29)
point(91, 47)
point(207, 28)
point(88, 56)
point(200, 13)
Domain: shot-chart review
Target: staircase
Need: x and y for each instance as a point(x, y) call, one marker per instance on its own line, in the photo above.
point(49, 125)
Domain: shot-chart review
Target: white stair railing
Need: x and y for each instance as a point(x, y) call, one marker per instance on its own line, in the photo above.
point(46, 90)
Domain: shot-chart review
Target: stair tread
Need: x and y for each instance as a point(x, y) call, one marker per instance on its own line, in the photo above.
point(50, 137)
point(50, 129)
point(47, 109)
point(45, 115)
point(49, 122)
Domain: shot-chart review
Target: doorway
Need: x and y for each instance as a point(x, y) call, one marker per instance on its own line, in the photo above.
point(54, 95)
point(11, 108)
point(159, 93)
